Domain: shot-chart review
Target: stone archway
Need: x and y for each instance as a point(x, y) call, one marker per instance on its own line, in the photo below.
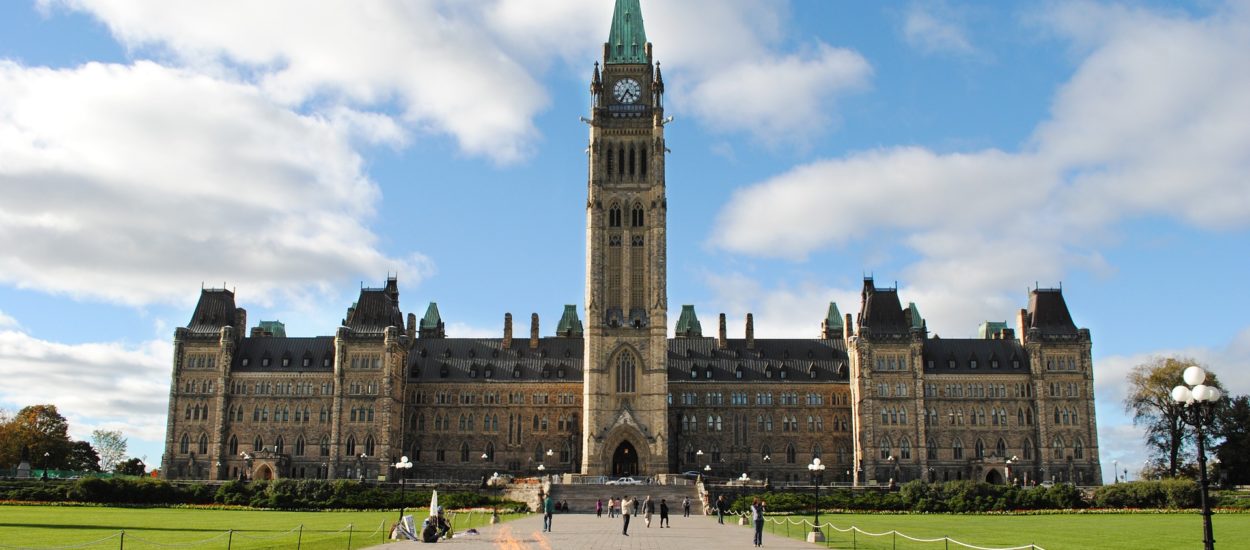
point(624, 460)
point(263, 473)
point(994, 477)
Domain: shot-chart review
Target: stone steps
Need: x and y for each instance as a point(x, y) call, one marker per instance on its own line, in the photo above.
point(582, 497)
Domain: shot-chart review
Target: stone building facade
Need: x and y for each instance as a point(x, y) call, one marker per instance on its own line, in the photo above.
point(875, 396)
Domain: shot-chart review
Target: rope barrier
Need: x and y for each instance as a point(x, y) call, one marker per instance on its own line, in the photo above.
point(269, 537)
point(175, 544)
point(79, 545)
point(788, 521)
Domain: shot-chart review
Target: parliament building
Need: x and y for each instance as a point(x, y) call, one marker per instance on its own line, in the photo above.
point(874, 395)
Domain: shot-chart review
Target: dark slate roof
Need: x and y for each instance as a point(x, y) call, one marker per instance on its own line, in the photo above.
point(881, 310)
point(317, 350)
point(797, 356)
point(1049, 312)
point(376, 309)
point(215, 309)
point(460, 359)
point(964, 350)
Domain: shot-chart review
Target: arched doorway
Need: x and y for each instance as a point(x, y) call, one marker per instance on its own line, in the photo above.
point(993, 477)
point(624, 460)
point(264, 473)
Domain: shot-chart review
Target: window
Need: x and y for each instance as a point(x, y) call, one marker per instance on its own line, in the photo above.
point(279, 446)
point(203, 447)
point(324, 447)
point(234, 446)
point(1000, 449)
point(886, 446)
point(636, 216)
point(299, 446)
point(1078, 450)
point(957, 449)
point(184, 446)
point(790, 454)
point(1028, 449)
point(904, 449)
point(351, 446)
point(625, 372)
point(931, 450)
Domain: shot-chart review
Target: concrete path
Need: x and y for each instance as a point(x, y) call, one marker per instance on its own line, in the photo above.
point(585, 531)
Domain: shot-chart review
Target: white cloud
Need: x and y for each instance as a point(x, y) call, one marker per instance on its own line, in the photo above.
point(134, 184)
point(1149, 125)
point(93, 385)
point(932, 29)
point(7, 321)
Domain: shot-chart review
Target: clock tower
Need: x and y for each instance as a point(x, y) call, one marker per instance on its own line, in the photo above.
point(626, 376)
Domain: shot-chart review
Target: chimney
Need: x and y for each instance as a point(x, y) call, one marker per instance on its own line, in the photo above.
point(721, 340)
point(534, 331)
point(1022, 325)
point(750, 332)
point(412, 325)
point(507, 331)
point(850, 329)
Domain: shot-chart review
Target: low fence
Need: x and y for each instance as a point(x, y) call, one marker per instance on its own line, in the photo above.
point(787, 526)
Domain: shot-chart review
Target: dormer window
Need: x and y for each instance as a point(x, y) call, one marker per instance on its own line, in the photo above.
point(325, 362)
point(307, 362)
point(708, 373)
point(768, 371)
point(972, 364)
point(738, 372)
point(516, 371)
point(560, 373)
point(286, 362)
point(264, 362)
point(694, 373)
point(951, 363)
point(490, 372)
point(994, 363)
point(443, 371)
point(472, 372)
point(783, 372)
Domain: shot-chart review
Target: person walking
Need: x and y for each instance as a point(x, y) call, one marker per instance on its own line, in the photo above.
point(648, 508)
point(757, 519)
point(720, 509)
point(599, 508)
point(685, 507)
point(549, 507)
point(626, 504)
point(636, 504)
point(664, 514)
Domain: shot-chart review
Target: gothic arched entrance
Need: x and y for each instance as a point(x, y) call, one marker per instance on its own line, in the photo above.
point(624, 460)
point(993, 477)
point(264, 473)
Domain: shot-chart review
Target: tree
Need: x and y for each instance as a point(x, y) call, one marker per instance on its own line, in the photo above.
point(1232, 424)
point(41, 429)
point(1150, 401)
point(132, 467)
point(111, 446)
point(82, 458)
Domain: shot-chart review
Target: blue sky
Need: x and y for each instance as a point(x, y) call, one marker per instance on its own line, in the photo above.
point(966, 150)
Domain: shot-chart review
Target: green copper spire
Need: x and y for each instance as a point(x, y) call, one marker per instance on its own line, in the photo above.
point(627, 42)
point(833, 319)
point(688, 323)
point(916, 320)
point(570, 326)
point(432, 319)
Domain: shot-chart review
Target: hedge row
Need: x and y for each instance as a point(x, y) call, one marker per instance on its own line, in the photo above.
point(287, 494)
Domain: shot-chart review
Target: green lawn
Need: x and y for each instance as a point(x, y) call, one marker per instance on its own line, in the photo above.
point(1052, 532)
point(47, 526)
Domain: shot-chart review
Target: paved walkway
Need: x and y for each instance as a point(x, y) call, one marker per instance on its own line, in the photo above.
point(585, 531)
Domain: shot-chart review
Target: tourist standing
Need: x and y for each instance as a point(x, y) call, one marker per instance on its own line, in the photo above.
point(626, 503)
point(549, 507)
point(611, 507)
point(648, 508)
point(664, 514)
point(757, 519)
point(720, 509)
point(599, 508)
point(685, 507)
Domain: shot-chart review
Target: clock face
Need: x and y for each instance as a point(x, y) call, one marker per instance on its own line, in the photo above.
point(627, 90)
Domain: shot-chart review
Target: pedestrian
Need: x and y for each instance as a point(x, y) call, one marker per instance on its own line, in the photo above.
point(636, 505)
point(549, 507)
point(626, 503)
point(757, 519)
point(648, 508)
point(720, 509)
point(611, 507)
point(599, 508)
point(685, 507)
point(664, 514)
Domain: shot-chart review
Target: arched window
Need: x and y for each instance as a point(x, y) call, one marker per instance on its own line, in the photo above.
point(490, 451)
point(904, 449)
point(902, 416)
point(765, 453)
point(886, 447)
point(324, 447)
point(636, 216)
point(980, 448)
point(1078, 450)
point(611, 161)
point(258, 444)
point(369, 446)
point(1000, 448)
point(203, 444)
point(1057, 448)
point(351, 445)
point(1028, 449)
point(632, 165)
point(626, 371)
point(816, 451)
point(234, 445)
point(184, 446)
point(299, 446)
point(614, 216)
point(790, 454)
point(278, 445)
point(642, 161)
point(957, 449)
point(464, 452)
point(421, 422)
point(931, 449)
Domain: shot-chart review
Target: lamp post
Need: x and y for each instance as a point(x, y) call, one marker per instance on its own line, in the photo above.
point(1197, 408)
point(817, 469)
point(217, 470)
point(893, 469)
point(325, 470)
point(1115, 471)
point(45, 464)
point(1010, 461)
point(360, 467)
point(403, 465)
point(247, 466)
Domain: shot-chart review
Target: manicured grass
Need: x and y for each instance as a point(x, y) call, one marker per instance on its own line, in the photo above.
point(48, 526)
point(1052, 532)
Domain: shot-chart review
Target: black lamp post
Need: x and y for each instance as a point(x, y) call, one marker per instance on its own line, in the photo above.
point(360, 467)
point(817, 470)
point(45, 465)
point(403, 465)
point(247, 466)
point(1197, 409)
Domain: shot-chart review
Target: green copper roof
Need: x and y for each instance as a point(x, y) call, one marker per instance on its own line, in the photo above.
point(432, 318)
point(688, 323)
point(570, 325)
point(627, 42)
point(988, 329)
point(834, 319)
point(275, 328)
point(916, 320)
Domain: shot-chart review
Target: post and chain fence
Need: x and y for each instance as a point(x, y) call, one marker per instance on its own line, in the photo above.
point(852, 533)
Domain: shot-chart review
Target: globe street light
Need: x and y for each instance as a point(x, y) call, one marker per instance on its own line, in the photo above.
point(1197, 407)
point(403, 465)
point(817, 470)
point(45, 464)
